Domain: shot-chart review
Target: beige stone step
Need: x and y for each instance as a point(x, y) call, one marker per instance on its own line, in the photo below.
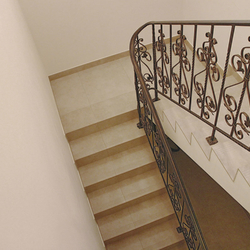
point(117, 167)
point(161, 236)
point(129, 203)
point(101, 124)
point(85, 117)
point(136, 218)
point(180, 245)
point(120, 194)
point(107, 142)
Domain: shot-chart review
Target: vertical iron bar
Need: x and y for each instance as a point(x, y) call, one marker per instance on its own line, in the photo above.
point(154, 63)
point(153, 130)
point(180, 60)
point(193, 63)
point(167, 172)
point(162, 59)
point(223, 80)
point(246, 80)
point(139, 125)
point(171, 60)
point(207, 70)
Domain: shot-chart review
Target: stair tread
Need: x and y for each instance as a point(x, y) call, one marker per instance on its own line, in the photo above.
point(110, 137)
point(117, 164)
point(96, 113)
point(125, 191)
point(136, 216)
point(160, 236)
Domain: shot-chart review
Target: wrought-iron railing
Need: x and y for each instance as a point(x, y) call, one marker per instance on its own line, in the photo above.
point(181, 61)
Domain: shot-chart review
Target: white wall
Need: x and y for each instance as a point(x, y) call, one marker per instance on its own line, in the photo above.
point(42, 201)
point(69, 33)
point(216, 10)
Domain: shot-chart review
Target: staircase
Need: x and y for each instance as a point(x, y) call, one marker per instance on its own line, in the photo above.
point(115, 162)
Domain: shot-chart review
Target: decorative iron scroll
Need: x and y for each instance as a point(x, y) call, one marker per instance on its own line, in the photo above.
point(162, 71)
point(143, 57)
point(207, 54)
point(238, 119)
point(188, 231)
point(181, 87)
point(174, 192)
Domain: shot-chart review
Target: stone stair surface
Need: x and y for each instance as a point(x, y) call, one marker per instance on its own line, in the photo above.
point(124, 186)
point(115, 162)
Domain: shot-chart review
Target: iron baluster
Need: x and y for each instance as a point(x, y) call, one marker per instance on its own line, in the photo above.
point(193, 63)
point(171, 60)
point(154, 64)
point(211, 139)
point(207, 69)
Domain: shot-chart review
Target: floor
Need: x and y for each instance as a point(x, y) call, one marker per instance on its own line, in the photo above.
point(224, 223)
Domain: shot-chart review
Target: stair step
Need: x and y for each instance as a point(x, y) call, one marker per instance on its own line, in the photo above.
point(101, 125)
point(107, 142)
point(117, 167)
point(135, 218)
point(84, 117)
point(113, 209)
point(180, 245)
point(161, 236)
point(126, 190)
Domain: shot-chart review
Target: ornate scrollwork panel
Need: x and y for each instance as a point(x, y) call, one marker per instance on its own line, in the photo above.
point(189, 232)
point(159, 152)
point(206, 100)
point(144, 58)
point(237, 118)
point(161, 63)
point(181, 87)
point(174, 192)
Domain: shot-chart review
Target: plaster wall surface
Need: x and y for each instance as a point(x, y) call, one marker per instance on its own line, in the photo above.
point(42, 200)
point(70, 33)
